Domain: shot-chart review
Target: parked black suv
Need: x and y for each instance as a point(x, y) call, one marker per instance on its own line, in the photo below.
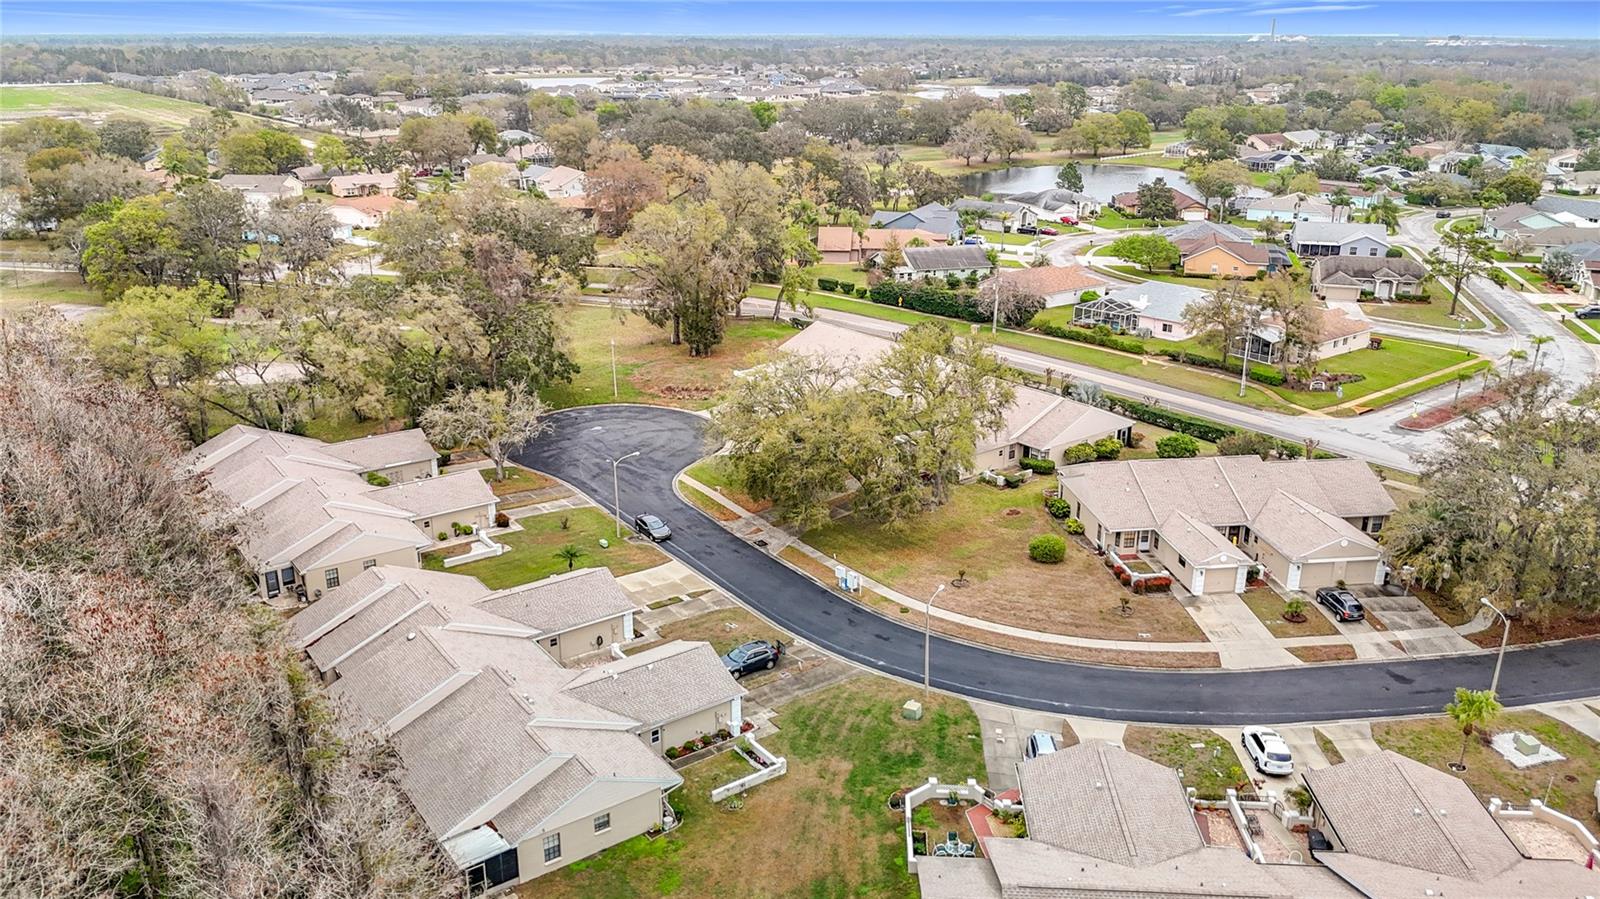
point(652, 527)
point(1342, 603)
point(1586, 312)
point(757, 655)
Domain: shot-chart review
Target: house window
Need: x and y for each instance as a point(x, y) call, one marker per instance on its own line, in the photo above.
point(287, 576)
point(552, 848)
point(1182, 562)
point(332, 577)
point(602, 823)
point(1373, 251)
point(1166, 327)
point(428, 525)
point(555, 641)
point(1353, 251)
point(370, 563)
point(1012, 453)
point(655, 736)
point(272, 584)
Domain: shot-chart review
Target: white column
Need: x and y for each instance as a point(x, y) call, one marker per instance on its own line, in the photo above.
point(1293, 579)
point(627, 626)
point(736, 711)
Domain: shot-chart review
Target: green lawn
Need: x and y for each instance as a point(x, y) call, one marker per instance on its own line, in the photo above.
point(833, 301)
point(532, 550)
point(1013, 240)
point(1185, 280)
point(840, 271)
point(822, 830)
point(24, 288)
point(649, 368)
point(1584, 334)
point(1399, 361)
point(101, 100)
point(1211, 770)
point(1111, 218)
point(718, 473)
point(1435, 312)
point(1437, 742)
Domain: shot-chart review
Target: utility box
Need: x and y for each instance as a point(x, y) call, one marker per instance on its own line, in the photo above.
point(911, 711)
point(1526, 744)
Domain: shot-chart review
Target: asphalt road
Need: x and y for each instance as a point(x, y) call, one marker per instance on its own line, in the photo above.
point(583, 440)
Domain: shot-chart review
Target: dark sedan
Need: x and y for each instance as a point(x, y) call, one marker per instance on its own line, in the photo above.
point(1586, 312)
point(652, 527)
point(757, 655)
point(1342, 603)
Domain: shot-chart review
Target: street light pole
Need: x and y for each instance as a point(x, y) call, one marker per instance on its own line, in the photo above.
point(927, 616)
point(616, 489)
point(613, 368)
point(1505, 637)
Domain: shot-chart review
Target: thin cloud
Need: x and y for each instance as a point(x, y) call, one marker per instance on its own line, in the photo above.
point(1320, 7)
point(1204, 11)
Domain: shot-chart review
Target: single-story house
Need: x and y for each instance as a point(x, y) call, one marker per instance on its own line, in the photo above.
point(1338, 239)
point(363, 212)
point(1310, 139)
point(312, 175)
point(536, 153)
point(1192, 230)
point(1307, 523)
point(1290, 208)
point(1275, 161)
point(942, 262)
point(1268, 142)
point(842, 244)
point(517, 765)
point(1153, 308)
point(998, 216)
point(935, 217)
point(1058, 285)
point(364, 184)
point(1102, 821)
point(1586, 209)
point(1052, 204)
point(1338, 333)
point(321, 513)
point(562, 182)
point(1189, 209)
point(1038, 424)
point(1360, 197)
point(1211, 255)
point(263, 190)
point(1390, 173)
point(1351, 277)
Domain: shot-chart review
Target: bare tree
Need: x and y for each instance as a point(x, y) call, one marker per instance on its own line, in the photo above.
point(494, 421)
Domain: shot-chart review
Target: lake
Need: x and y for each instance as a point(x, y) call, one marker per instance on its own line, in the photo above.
point(1099, 181)
point(545, 83)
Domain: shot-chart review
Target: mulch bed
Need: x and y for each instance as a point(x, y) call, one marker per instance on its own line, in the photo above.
point(1432, 418)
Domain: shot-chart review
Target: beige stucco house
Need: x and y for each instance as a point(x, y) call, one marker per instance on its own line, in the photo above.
point(1038, 424)
point(314, 515)
point(1307, 523)
point(1352, 277)
point(516, 764)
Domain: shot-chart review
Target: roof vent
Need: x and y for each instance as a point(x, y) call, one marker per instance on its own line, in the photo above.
point(1416, 813)
point(1099, 786)
point(411, 636)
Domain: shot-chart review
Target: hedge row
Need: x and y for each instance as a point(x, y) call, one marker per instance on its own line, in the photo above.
point(1258, 374)
point(1100, 336)
point(928, 298)
point(1173, 421)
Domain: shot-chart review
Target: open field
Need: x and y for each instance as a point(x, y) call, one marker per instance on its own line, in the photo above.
point(984, 532)
point(1437, 742)
point(532, 553)
point(99, 102)
point(25, 288)
point(649, 368)
point(822, 830)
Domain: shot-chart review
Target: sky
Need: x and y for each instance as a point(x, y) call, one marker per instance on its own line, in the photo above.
point(973, 18)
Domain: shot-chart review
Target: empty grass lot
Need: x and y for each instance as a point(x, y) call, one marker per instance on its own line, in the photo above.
point(649, 368)
point(25, 288)
point(984, 531)
point(822, 830)
point(532, 553)
point(1211, 770)
point(100, 101)
point(1437, 742)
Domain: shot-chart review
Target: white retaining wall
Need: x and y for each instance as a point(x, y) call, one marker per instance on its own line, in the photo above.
point(776, 767)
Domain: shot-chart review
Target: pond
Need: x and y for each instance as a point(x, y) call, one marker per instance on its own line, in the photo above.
point(929, 91)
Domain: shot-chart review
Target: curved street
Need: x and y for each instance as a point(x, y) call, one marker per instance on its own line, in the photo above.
point(582, 441)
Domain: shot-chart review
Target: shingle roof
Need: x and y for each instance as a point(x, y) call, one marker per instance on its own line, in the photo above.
point(1190, 230)
point(1351, 269)
point(1244, 251)
point(561, 602)
point(1336, 232)
point(659, 684)
point(1588, 208)
point(931, 259)
point(1200, 544)
point(1102, 801)
point(437, 496)
point(383, 450)
point(1297, 529)
point(267, 184)
point(1045, 280)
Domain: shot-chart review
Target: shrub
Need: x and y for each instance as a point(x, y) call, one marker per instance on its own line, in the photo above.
point(1099, 336)
point(444, 459)
point(1047, 548)
point(1107, 448)
point(1258, 373)
point(930, 298)
point(1177, 446)
point(1246, 443)
point(1139, 437)
point(1088, 296)
point(1393, 253)
point(1013, 481)
point(1174, 421)
point(442, 536)
point(377, 480)
point(827, 284)
point(460, 529)
point(502, 520)
point(1057, 507)
point(1074, 527)
point(1038, 466)
point(673, 752)
point(691, 746)
point(861, 291)
point(1076, 455)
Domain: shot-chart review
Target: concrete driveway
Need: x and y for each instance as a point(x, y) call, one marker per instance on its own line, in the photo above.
point(1005, 735)
point(1407, 613)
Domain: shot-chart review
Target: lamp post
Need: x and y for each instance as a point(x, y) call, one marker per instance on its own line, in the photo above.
point(1505, 637)
point(616, 489)
point(613, 368)
point(927, 616)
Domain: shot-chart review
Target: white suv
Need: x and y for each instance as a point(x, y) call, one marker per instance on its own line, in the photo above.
point(1040, 742)
point(1268, 751)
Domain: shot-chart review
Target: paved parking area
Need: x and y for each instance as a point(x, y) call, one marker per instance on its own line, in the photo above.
point(1005, 734)
point(1407, 613)
point(1242, 640)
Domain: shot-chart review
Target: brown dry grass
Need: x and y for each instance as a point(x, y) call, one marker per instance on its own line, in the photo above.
point(1562, 625)
point(1268, 606)
point(985, 531)
point(1338, 652)
point(723, 629)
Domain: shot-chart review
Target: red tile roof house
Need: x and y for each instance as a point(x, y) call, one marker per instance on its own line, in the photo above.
point(841, 244)
point(1059, 285)
point(1189, 209)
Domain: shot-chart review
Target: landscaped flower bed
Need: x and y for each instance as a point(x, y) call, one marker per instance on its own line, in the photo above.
point(703, 746)
point(1136, 574)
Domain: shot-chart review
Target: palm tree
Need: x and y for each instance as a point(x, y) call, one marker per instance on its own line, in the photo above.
point(570, 554)
point(1538, 345)
point(1517, 356)
point(1385, 212)
point(1471, 710)
point(1462, 377)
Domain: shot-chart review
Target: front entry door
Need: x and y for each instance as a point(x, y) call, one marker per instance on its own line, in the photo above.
point(1144, 541)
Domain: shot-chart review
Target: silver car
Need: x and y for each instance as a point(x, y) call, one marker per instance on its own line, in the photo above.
point(1040, 742)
